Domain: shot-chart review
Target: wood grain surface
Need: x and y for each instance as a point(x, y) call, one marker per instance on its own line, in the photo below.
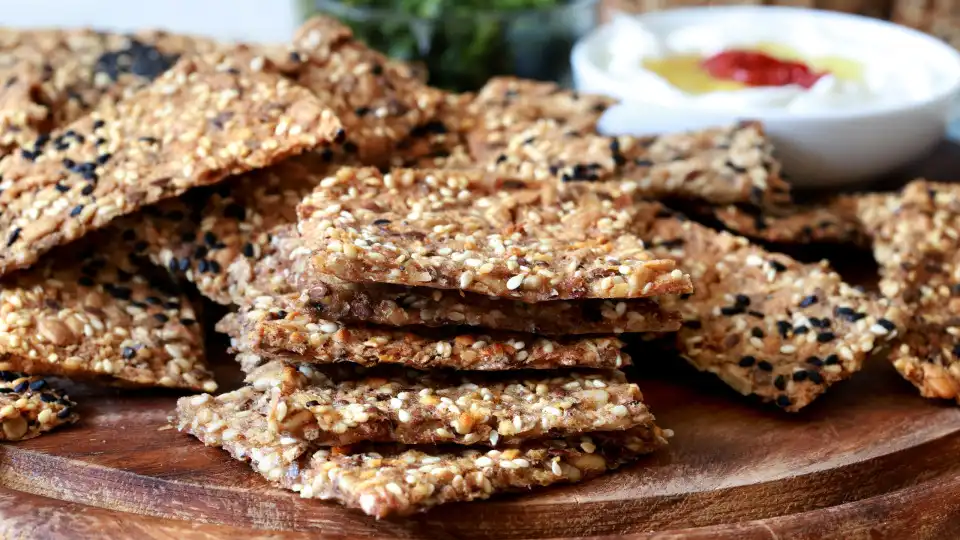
point(870, 459)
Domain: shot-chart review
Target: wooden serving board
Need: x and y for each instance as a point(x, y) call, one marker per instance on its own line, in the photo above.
point(870, 459)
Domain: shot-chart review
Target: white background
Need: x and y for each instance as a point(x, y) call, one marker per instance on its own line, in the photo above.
point(267, 21)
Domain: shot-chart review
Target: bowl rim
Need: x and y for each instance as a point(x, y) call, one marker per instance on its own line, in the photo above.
point(580, 58)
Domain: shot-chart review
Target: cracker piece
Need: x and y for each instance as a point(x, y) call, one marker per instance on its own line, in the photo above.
point(464, 230)
point(381, 102)
point(30, 406)
point(917, 244)
point(273, 326)
point(397, 480)
point(720, 165)
point(53, 77)
point(833, 221)
point(201, 121)
point(397, 305)
point(765, 323)
point(214, 236)
point(87, 311)
point(350, 404)
point(506, 105)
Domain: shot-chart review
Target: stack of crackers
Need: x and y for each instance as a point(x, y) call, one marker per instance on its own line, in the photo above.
point(429, 293)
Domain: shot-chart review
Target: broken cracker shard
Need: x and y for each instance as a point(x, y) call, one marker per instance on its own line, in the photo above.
point(153, 145)
point(916, 241)
point(395, 480)
point(31, 406)
point(516, 238)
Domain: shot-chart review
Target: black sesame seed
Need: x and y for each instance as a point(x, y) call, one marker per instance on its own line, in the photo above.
point(756, 314)
point(22, 387)
point(695, 325)
point(643, 162)
point(326, 155)
point(100, 141)
point(6, 390)
point(800, 376)
point(64, 413)
point(809, 301)
point(36, 386)
point(801, 330)
point(97, 124)
point(376, 69)
point(886, 324)
point(184, 264)
point(312, 403)
point(814, 361)
point(731, 310)
point(764, 365)
point(956, 350)
point(200, 252)
point(153, 300)
point(777, 266)
point(747, 361)
point(203, 266)
point(248, 250)
point(831, 360)
point(129, 352)
point(87, 189)
point(28, 155)
point(9, 376)
point(209, 238)
point(615, 146)
point(340, 136)
point(215, 267)
point(350, 147)
point(172, 304)
point(120, 293)
point(61, 188)
point(161, 317)
point(784, 328)
point(14, 236)
point(825, 337)
point(780, 382)
point(48, 398)
point(757, 332)
point(69, 163)
point(187, 321)
point(149, 140)
point(103, 159)
point(815, 377)
point(76, 210)
point(282, 314)
point(361, 111)
point(686, 296)
point(380, 222)
point(783, 401)
point(820, 323)
point(173, 265)
point(742, 300)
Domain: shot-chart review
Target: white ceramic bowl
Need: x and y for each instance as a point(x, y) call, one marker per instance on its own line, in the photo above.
point(818, 149)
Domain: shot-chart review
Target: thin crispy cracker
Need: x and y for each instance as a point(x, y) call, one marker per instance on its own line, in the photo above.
point(349, 404)
point(214, 236)
point(272, 326)
point(721, 165)
point(381, 102)
point(834, 221)
point(53, 77)
point(396, 480)
point(765, 323)
point(464, 230)
point(398, 305)
point(198, 123)
point(86, 310)
point(30, 406)
point(917, 244)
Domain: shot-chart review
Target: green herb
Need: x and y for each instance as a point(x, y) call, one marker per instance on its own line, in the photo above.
point(462, 43)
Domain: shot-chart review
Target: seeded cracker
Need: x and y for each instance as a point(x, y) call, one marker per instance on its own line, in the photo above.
point(766, 324)
point(29, 407)
point(203, 120)
point(214, 236)
point(464, 230)
point(289, 267)
point(380, 101)
point(53, 77)
point(394, 480)
point(87, 311)
point(833, 221)
point(918, 248)
point(506, 105)
point(272, 326)
point(720, 165)
point(349, 404)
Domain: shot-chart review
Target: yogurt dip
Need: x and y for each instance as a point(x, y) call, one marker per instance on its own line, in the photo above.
point(666, 64)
